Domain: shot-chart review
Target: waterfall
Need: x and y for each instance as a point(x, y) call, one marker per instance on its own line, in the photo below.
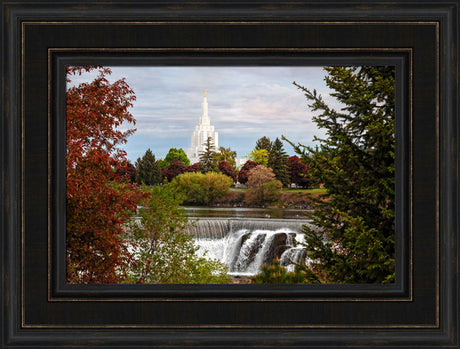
point(246, 244)
point(216, 228)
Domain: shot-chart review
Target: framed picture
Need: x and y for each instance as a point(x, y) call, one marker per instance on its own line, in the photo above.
point(379, 81)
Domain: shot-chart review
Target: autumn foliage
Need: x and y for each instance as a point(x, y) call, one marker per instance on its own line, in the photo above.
point(173, 170)
point(126, 172)
point(99, 202)
point(263, 187)
point(243, 175)
point(193, 168)
point(227, 169)
point(299, 172)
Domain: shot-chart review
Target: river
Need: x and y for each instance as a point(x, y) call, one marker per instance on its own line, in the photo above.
point(243, 212)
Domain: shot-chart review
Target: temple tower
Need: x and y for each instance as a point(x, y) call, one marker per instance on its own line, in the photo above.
point(201, 134)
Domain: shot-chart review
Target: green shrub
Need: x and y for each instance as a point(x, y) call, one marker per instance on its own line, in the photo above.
point(276, 274)
point(205, 271)
point(272, 191)
point(202, 188)
point(162, 252)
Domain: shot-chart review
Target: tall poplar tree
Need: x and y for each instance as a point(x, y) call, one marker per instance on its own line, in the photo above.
point(354, 238)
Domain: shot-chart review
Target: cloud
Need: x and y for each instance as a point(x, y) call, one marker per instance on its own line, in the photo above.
point(245, 103)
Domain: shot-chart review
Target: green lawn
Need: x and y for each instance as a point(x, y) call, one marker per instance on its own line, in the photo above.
point(291, 190)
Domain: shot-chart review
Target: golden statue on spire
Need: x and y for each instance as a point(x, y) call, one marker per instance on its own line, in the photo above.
point(205, 93)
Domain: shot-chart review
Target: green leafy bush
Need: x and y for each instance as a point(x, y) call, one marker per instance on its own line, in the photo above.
point(162, 251)
point(276, 274)
point(202, 188)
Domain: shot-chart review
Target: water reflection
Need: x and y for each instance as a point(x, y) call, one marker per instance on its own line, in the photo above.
point(243, 212)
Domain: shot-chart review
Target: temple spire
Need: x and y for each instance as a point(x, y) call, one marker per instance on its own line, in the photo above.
point(204, 119)
point(201, 133)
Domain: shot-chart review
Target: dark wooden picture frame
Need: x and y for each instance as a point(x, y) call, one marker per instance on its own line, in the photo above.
point(40, 310)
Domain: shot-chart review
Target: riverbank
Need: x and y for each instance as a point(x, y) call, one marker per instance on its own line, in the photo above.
point(298, 199)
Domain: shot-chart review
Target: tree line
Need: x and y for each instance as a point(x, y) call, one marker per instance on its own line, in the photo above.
point(287, 169)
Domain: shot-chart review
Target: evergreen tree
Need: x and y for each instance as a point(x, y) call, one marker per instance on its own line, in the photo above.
point(148, 169)
point(278, 160)
point(208, 157)
point(355, 239)
point(264, 143)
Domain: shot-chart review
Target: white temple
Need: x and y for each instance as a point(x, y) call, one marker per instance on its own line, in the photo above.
point(201, 134)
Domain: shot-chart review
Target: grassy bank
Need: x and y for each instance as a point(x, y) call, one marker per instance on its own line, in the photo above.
point(292, 198)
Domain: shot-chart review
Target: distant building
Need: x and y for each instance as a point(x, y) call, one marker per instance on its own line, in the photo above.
point(239, 162)
point(201, 134)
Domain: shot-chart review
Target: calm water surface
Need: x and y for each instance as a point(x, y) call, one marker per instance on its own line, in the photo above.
point(243, 212)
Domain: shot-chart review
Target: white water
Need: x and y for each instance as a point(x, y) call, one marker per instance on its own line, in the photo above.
point(245, 245)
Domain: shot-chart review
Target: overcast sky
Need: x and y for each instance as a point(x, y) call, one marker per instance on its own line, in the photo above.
point(245, 103)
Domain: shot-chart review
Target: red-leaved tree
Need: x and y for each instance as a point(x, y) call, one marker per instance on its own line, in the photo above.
point(193, 168)
point(98, 201)
point(244, 172)
point(227, 169)
point(176, 168)
point(299, 172)
point(127, 172)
